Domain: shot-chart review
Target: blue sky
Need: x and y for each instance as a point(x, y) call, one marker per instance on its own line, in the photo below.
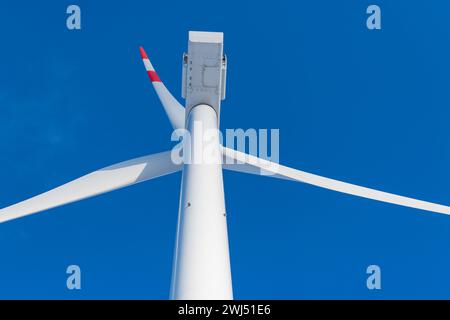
point(367, 107)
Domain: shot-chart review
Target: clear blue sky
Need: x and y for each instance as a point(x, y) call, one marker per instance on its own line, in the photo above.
point(368, 107)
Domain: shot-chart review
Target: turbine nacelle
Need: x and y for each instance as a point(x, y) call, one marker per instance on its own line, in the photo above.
point(204, 71)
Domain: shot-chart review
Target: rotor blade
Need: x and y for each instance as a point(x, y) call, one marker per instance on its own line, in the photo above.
point(277, 170)
point(229, 163)
point(174, 110)
point(104, 180)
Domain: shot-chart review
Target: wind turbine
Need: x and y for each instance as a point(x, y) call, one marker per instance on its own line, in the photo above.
point(201, 266)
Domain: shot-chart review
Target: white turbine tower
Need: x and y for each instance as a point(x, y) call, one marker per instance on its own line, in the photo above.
point(201, 268)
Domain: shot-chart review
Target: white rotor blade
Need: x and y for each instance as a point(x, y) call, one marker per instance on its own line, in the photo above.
point(252, 164)
point(229, 163)
point(104, 180)
point(174, 110)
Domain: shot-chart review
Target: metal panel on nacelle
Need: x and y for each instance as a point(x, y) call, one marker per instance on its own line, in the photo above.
point(204, 69)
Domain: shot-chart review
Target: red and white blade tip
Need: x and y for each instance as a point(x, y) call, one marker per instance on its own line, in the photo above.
point(148, 66)
point(143, 53)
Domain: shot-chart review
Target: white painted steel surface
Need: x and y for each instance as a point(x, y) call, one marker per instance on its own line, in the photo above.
point(201, 267)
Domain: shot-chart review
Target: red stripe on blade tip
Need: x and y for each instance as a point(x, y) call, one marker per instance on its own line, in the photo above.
point(143, 54)
point(153, 76)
